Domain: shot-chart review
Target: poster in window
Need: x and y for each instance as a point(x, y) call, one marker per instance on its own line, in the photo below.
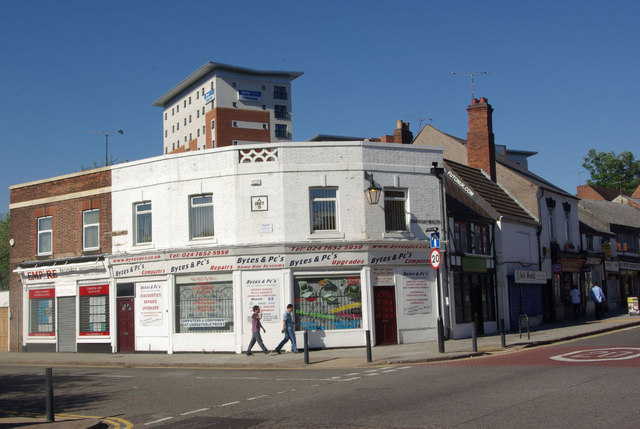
point(150, 299)
point(204, 304)
point(42, 312)
point(328, 303)
point(262, 289)
point(416, 292)
point(94, 310)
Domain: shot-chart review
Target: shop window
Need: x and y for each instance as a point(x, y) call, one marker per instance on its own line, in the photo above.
point(323, 209)
point(395, 215)
point(474, 293)
point(143, 222)
point(204, 305)
point(323, 303)
point(41, 312)
point(91, 229)
point(481, 242)
point(45, 235)
point(201, 216)
point(94, 310)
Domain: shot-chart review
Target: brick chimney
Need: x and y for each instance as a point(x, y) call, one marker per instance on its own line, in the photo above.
point(481, 151)
point(400, 135)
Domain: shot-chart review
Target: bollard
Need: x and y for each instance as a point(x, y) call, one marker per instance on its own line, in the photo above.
point(474, 338)
point(306, 347)
point(503, 338)
point(49, 393)
point(368, 342)
point(440, 335)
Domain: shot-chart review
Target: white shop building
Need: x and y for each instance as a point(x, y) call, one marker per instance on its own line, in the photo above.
point(201, 237)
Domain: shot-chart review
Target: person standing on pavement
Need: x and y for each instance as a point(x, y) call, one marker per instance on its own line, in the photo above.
point(598, 299)
point(256, 325)
point(288, 329)
point(575, 302)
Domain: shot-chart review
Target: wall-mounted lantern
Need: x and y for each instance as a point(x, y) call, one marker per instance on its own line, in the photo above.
point(374, 191)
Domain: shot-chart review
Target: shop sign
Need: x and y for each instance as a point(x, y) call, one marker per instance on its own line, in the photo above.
point(606, 250)
point(150, 301)
point(247, 95)
point(611, 266)
point(208, 96)
point(42, 293)
point(263, 291)
point(572, 265)
point(204, 322)
point(65, 289)
point(383, 276)
point(626, 265)
point(94, 290)
point(416, 292)
point(474, 265)
point(530, 277)
point(593, 261)
point(632, 304)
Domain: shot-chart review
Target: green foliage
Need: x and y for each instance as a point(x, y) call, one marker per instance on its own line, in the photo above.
point(4, 251)
point(613, 171)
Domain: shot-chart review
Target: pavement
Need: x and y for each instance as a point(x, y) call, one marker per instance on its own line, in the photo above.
point(342, 358)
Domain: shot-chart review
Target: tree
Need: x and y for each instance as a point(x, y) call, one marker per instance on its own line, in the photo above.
point(4, 251)
point(612, 171)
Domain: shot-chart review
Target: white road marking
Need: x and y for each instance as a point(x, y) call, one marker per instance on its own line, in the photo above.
point(352, 374)
point(349, 379)
point(373, 370)
point(390, 370)
point(257, 397)
point(229, 403)
point(405, 367)
point(194, 411)
point(158, 421)
point(114, 376)
point(372, 374)
point(280, 393)
point(599, 355)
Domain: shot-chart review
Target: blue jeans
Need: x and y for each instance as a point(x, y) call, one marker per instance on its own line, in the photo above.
point(255, 337)
point(289, 334)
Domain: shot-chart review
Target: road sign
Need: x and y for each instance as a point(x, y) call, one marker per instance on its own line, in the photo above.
point(435, 240)
point(435, 258)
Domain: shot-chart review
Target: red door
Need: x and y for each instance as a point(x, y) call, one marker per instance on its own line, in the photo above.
point(385, 314)
point(126, 334)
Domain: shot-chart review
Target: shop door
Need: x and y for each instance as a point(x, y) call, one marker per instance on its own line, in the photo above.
point(67, 324)
point(477, 303)
point(126, 334)
point(4, 329)
point(385, 315)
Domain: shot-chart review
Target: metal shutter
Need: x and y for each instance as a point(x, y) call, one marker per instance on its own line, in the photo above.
point(67, 324)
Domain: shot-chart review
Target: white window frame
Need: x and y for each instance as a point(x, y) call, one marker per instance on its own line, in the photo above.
point(193, 205)
point(136, 214)
point(320, 199)
point(86, 226)
point(402, 199)
point(42, 232)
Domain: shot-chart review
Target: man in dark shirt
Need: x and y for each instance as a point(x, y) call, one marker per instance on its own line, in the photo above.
point(256, 325)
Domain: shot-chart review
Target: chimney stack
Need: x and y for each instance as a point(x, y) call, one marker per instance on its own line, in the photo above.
point(481, 151)
point(401, 134)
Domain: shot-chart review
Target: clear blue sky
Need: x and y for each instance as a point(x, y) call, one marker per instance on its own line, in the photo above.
point(563, 74)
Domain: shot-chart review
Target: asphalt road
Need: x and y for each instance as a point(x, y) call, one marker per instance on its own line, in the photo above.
point(593, 382)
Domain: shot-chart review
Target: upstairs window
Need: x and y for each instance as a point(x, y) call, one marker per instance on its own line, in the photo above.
point(323, 203)
point(395, 215)
point(281, 130)
point(201, 216)
point(280, 112)
point(142, 225)
point(91, 229)
point(45, 235)
point(462, 237)
point(280, 92)
point(481, 243)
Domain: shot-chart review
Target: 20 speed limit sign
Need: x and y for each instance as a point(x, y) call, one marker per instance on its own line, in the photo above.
point(435, 259)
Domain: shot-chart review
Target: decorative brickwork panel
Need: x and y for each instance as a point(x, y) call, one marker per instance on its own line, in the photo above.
point(248, 156)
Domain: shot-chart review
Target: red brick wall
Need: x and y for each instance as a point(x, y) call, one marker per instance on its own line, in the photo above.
point(225, 133)
point(67, 227)
point(481, 152)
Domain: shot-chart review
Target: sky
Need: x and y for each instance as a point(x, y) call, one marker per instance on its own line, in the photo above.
point(562, 75)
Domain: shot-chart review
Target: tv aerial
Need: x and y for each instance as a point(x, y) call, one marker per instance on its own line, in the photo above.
point(471, 75)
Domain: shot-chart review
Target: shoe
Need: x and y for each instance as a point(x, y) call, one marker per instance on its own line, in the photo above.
point(278, 351)
point(249, 354)
point(267, 352)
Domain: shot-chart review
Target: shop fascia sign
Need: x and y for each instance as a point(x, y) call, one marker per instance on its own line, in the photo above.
point(297, 257)
point(611, 266)
point(626, 265)
point(530, 277)
point(49, 273)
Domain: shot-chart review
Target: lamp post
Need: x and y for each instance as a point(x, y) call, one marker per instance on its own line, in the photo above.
point(106, 136)
point(438, 172)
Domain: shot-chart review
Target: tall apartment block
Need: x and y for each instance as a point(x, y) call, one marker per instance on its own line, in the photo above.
point(222, 105)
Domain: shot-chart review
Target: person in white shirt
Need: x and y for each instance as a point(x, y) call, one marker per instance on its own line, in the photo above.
point(575, 302)
point(598, 299)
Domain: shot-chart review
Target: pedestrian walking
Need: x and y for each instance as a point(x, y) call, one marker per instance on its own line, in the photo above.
point(288, 329)
point(575, 302)
point(597, 295)
point(256, 325)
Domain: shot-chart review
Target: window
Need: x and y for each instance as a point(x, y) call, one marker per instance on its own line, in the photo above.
point(172, 111)
point(173, 146)
point(165, 116)
point(173, 128)
point(280, 92)
point(281, 130)
point(590, 242)
point(45, 235)
point(204, 305)
point(185, 139)
point(91, 229)
point(185, 103)
point(323, 209)
point(235, 124)
point(462, 239)
point(201, 212)
point(328, 303)
point(197, 113)
point(473, 292)
point(235, 104)
point(190, 136)
point(42, 311)
point(567, 226)
point(185, 121)
point(166, 133)
point(481, 243)
point(395, 217)
point(198, 133)
point(197, 97)
point(203, 111)
point(143, 222)
point(552, 234)
point(213, 124)
point(189, 118)
point(177, 108)
point(94, 310)
point(189, 100)
point(280, 112)
point(177, 126)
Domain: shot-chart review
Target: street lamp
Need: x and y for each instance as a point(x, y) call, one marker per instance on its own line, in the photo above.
point(106, 136)
point(374, 191)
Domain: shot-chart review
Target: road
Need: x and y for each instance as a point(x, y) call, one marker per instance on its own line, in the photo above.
point(592, 382)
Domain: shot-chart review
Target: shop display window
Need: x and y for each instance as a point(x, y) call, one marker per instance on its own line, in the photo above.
point(42, 312)
point(326, 303)
point(94, 310)
point(203, 306)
